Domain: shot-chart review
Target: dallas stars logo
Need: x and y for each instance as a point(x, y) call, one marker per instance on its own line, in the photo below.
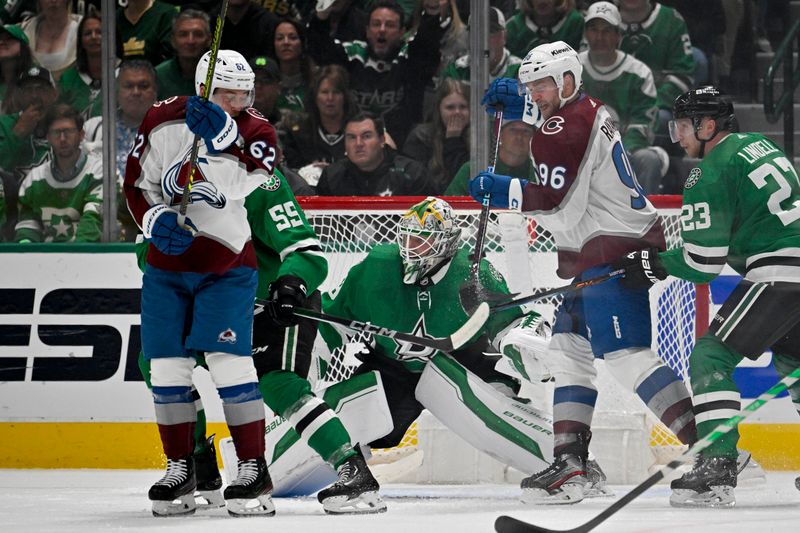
point(407, 351)
point(422, 210)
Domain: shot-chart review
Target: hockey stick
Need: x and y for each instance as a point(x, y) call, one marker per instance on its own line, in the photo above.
point(212, 65)
point(444, 344)
point(471, 291)
point(507, 524)
point(558, 290)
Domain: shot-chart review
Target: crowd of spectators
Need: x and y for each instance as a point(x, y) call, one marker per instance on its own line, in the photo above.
point(370, 97)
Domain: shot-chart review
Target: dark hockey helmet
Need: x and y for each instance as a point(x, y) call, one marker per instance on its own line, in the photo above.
point(707, 101)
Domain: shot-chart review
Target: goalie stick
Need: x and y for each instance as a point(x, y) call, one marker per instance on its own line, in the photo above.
point(507, 524)
point(444, 344)
point(558, 290)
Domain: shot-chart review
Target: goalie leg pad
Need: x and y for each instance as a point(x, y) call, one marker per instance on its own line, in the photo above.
point(512, 432)
point(359, 402)
point(641, 371)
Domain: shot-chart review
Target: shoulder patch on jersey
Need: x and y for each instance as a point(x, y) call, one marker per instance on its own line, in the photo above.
point(271, 183)
point(694, 177)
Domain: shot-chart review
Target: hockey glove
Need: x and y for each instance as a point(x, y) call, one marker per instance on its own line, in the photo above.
point(504, 92)
point(208, 120)
point(643, 268)
point(525, 347)
point(286, 293)
point(160, 226)
point(505, 191)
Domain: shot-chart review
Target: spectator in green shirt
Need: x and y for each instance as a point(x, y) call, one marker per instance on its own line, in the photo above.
point(191, 37)
point(513, 158)
point(81, 83)
point(15, 58)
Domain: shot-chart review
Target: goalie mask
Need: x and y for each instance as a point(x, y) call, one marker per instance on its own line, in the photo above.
point(428, 237)
point(551, 60)
point(232, 72)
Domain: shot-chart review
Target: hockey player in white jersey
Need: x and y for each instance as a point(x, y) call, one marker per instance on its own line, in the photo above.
point(200, 279)
point(587, 196)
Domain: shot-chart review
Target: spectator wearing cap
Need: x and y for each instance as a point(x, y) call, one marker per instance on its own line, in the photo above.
point(543, 21)
point(22, 136)
point(388, 74)
point(267, 87)
point(15, 58)
point(143, 30)
point(502, 63)
point(191, 37)
point(296, 67)
point(513, 158)
point(53, 34)
point(625, 85)
point(317, 140)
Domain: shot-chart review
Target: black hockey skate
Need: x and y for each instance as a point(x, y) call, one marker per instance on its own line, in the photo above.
point(709, 484)
point(209, 482)
point(356, 491)
point(251, 483)
point(564, 481)
point(797, 483)
point(173, 494)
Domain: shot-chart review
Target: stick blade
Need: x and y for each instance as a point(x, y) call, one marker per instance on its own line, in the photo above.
point(508, 524)
point(471, 326)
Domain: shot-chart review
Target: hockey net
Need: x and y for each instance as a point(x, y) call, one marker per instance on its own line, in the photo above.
point(524, 252)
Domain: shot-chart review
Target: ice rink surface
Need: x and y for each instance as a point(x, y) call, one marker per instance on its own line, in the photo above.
point(67, 501)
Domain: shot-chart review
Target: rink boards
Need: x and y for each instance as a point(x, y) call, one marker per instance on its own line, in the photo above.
point(71, 395)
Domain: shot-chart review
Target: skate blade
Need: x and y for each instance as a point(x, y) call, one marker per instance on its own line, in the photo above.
point(208, 499)
point(260, 506)
point(749, 471)
point(364, 503)
point(182, 506)
point(718, 497)
point(566, 494)
point(598, 491)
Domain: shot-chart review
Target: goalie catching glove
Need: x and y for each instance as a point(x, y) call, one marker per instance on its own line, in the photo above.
point(643, 268)
point(525, 347)
point(286, 293)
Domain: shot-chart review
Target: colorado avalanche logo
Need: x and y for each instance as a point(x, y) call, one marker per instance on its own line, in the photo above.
point(553, 125)
point(202, 190)
point(227, 336)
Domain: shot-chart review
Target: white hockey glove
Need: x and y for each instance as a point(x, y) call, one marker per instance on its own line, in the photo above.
point(525, 347)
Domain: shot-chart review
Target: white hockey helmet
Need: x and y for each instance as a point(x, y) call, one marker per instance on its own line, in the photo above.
point(427, 236)
point(552, 60)
point(232, 72)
